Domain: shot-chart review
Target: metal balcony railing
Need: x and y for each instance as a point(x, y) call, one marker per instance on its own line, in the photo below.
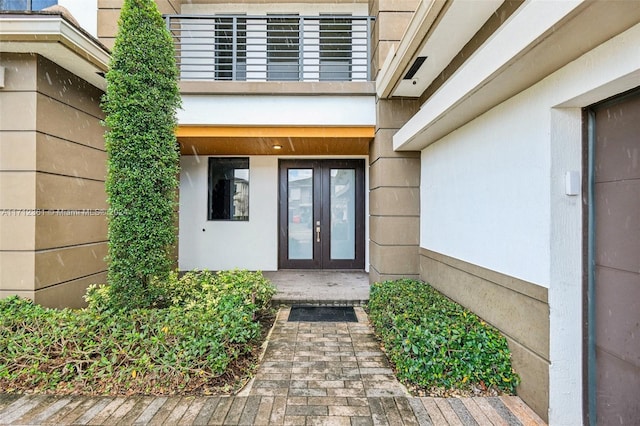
point(272, 47)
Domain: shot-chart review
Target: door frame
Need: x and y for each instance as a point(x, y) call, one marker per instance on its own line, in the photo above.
point(321, 211)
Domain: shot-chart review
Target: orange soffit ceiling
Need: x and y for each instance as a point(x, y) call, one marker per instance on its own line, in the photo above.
point(274, 132)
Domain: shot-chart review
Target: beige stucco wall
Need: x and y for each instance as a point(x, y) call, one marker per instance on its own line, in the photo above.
point(109, 12)
point(52, 168)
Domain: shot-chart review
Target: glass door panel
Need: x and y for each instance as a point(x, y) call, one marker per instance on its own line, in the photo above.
point(343, 214)
point(300, 213)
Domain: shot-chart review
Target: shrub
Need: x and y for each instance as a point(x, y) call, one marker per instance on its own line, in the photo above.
point(202, 341)
point(140, 104)
point(435, 343)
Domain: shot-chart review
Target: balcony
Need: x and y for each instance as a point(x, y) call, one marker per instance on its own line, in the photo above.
point(272, 47)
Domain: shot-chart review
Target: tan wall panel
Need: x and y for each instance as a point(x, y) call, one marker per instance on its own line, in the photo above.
point(108, 42)
point(17, 190)
point(24, 294)
point(391, 25)
point(534, 377)
point(395, 172)
point(108, 23)
point(17, 110)
point(398, 260)
point(382, 146)
point(397, 5)
point(394, 202)
point(376, 277)
point(66, 264)
point(109, 13)
point(520, 316)
point(54, 231)
point(393, 114)
point(395, 230)
point(71, 159)
point(63, 121)
point(17, 230)
point(60, 84)
point(17, 270)
point(169, 6)
point(20, 71)
point(65, 192)
point(110, 4)
point(17, 151)
point(379, 56)
point(69, 294)
point(306, 88)
point(517, 308)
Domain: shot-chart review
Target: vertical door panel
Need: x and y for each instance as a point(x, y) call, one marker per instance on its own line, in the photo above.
point(300, 213)
point(616, 187)
point(343, 214)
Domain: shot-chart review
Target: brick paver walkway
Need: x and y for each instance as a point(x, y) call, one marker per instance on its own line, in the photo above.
point(311, 374)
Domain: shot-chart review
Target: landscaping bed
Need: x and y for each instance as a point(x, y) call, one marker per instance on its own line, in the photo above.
point(437, 347)
point(201, 336)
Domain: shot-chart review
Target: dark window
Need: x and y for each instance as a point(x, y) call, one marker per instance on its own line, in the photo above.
point(228, 189)
point(20, 5)
point(335, 49)
point(283, 49)
point(231, 48)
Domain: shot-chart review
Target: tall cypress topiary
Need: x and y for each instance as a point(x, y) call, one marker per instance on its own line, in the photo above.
point(140, 105)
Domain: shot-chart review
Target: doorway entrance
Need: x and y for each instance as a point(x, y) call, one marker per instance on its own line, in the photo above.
point(321, 218)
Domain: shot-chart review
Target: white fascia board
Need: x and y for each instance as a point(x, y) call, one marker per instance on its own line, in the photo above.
point(264, 110)
point(399, 58)
point(57, 40)
point(515, 37)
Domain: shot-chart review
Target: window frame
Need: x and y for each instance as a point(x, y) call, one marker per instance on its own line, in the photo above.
point(227, 200)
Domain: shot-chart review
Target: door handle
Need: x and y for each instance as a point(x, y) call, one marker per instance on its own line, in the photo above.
point(318, 232)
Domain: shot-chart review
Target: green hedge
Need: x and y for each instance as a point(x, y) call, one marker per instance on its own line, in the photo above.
point(196, 343)
point(435, 343)
point(140, 104)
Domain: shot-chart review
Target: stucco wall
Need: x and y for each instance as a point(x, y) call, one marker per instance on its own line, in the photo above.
point(493, 195)
point(217, 245)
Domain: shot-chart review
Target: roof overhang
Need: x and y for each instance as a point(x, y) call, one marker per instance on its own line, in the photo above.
point(438, 31)
point(536, 40)
point(54, 37)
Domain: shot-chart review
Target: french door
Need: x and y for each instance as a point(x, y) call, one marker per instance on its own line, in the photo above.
point(321, 214)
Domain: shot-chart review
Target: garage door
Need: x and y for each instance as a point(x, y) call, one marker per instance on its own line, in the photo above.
point(616, 254)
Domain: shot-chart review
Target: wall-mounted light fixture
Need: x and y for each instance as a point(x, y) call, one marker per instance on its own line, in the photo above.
point(276, 146)
point(415, 67)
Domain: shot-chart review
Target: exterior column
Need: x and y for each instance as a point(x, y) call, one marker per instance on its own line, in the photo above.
point(394, 198)
point(394, 177)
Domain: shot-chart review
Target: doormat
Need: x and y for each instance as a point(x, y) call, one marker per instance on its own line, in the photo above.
point(322, 314)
